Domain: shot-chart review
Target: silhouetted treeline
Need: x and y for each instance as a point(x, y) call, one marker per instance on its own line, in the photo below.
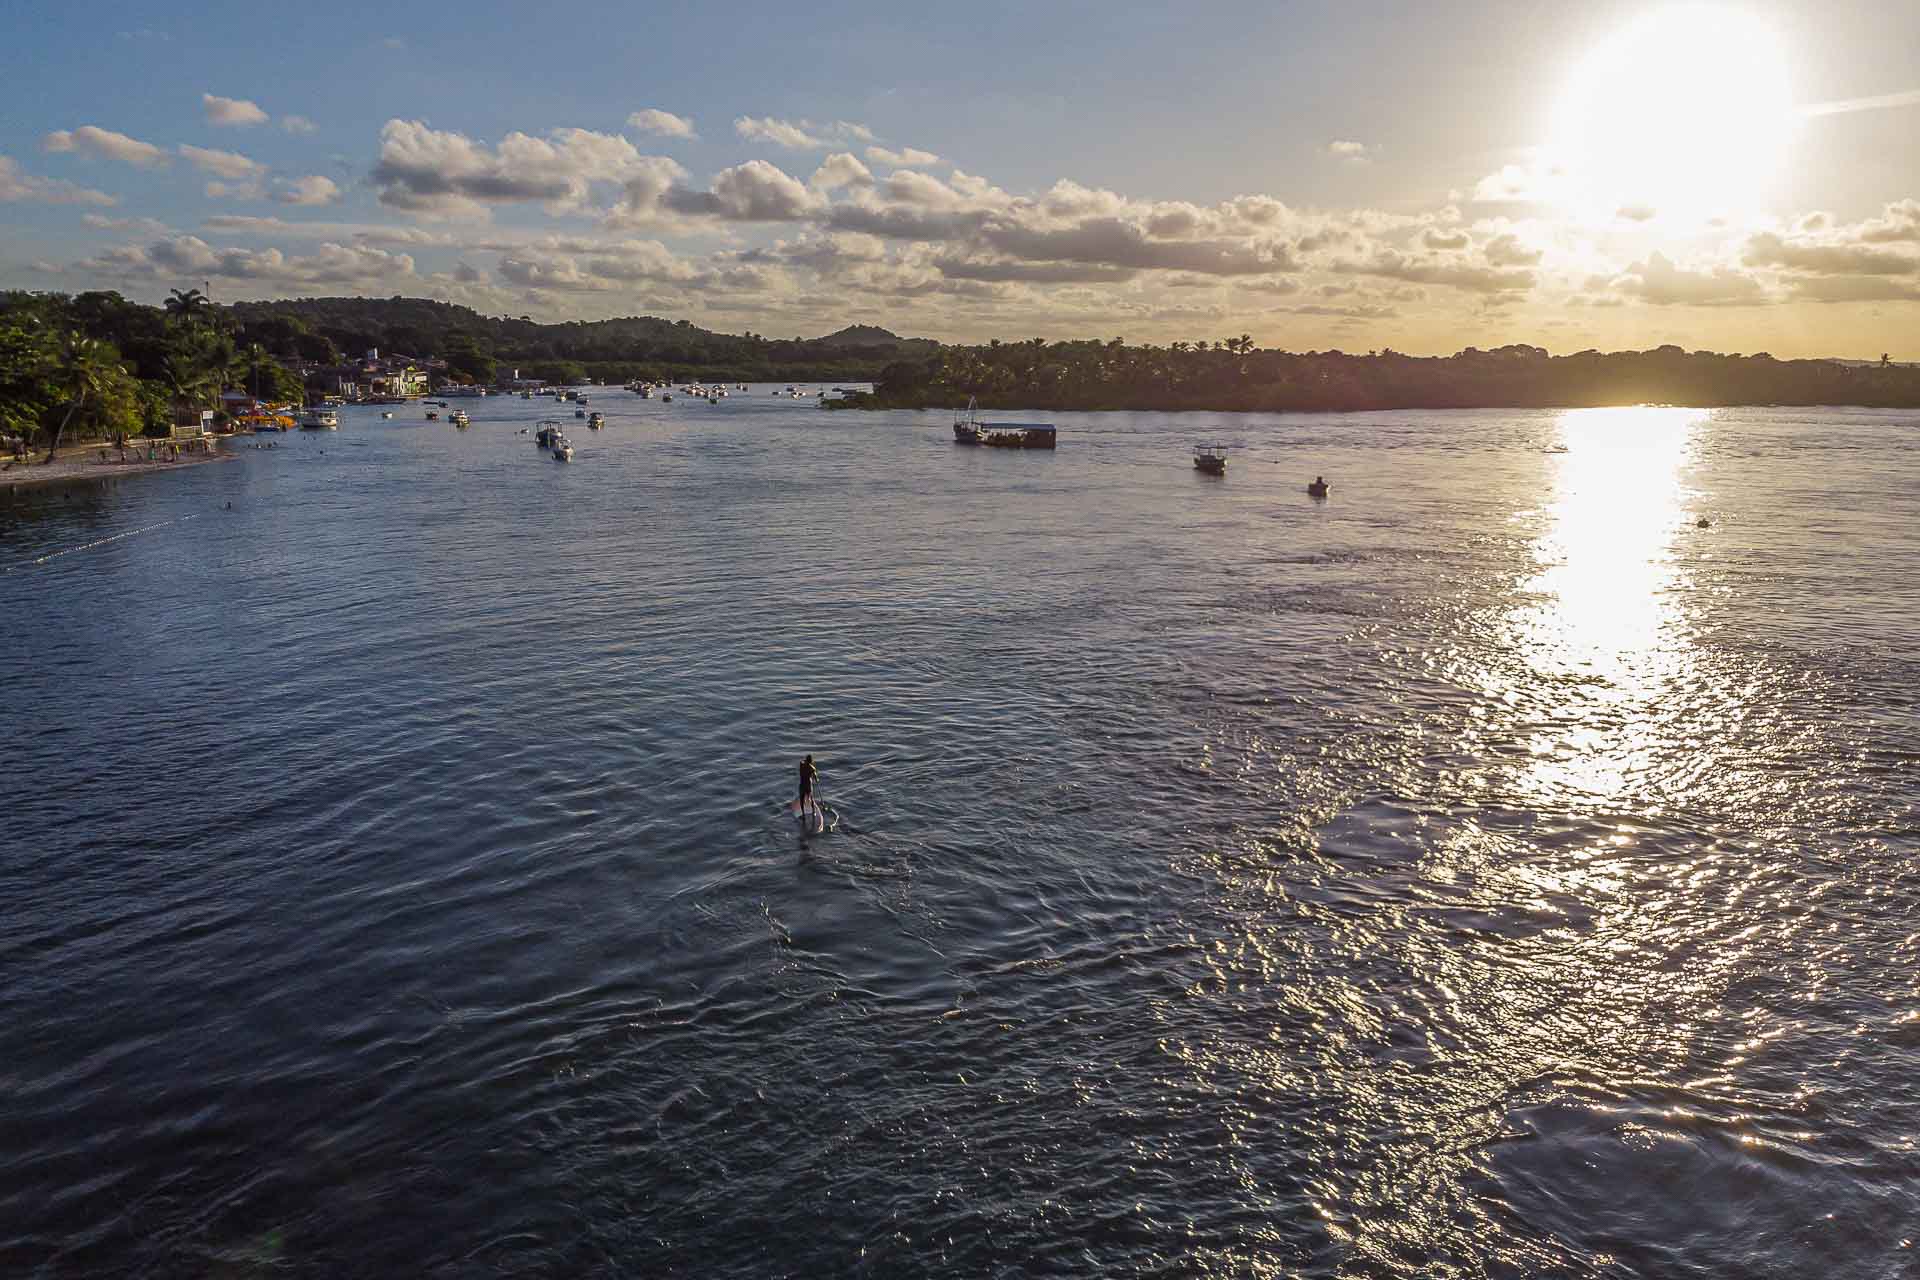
point(610, 350)
point(1233, 375)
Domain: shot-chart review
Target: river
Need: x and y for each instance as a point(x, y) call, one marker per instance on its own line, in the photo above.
point(1486, 871)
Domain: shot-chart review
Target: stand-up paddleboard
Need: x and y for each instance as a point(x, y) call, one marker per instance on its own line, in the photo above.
point(814, 819)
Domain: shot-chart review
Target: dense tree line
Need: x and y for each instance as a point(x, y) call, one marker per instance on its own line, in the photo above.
point(1234, 375)
point(478, 348)
point(96, 366)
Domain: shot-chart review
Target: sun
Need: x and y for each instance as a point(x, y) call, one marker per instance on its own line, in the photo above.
point(1685, 113)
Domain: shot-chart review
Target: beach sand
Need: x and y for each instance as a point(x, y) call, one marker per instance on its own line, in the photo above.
point(102, 462)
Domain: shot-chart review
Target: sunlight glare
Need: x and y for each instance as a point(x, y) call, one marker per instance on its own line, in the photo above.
point(1687, 111)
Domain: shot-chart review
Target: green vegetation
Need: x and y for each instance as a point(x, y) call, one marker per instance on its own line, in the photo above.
point(478, 348)
point(1234, 375)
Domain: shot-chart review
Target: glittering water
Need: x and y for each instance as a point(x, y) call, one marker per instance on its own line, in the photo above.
point(1484, 872)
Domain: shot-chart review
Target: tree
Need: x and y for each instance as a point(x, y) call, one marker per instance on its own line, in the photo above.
point(190, 305)
point(86, 370)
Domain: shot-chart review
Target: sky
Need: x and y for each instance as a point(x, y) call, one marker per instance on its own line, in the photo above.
point(1738, 176)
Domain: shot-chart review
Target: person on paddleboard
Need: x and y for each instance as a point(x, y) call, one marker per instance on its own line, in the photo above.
point(808, 776)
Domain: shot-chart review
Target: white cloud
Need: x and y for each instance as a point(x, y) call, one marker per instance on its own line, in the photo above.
point(329, 264)
point(17, 185)
point(105, 143)
point(904, 158)
point(1351, 152)
point(227, 164)
point(752, 192)
point(841, 169)
point(445, 174)
point(663, 124)
point(313, 189)
point(1656, 280)
point(800, 135)
point(141, 226)
point(298, 124)
point(231, 111)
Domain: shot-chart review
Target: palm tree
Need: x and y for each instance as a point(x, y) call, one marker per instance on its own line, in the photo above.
point(84, 372)
point(187, 305)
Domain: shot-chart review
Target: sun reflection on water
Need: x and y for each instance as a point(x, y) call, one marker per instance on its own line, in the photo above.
point(1599, 635)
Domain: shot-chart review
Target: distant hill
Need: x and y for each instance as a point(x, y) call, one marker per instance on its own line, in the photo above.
point(867, 335)
point(629, 346)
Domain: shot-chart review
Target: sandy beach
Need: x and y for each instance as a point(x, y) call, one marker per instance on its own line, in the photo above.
point(103, 462)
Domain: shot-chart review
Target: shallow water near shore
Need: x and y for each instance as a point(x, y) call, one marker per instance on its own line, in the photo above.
point(1487, 871)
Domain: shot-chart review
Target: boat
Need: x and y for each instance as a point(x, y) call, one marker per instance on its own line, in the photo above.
point(713, 399)
point(548, 433)
point(460, 419)
point(432, 416)
point(1318, 489)
point(1002, 435)
point(579, 413)
point(319, 418)
point(596, 420)
point(1210, 458)
point(562, 451)
point(387, 414)
point(665, 396)
point(1019, 435)
point(457, 389)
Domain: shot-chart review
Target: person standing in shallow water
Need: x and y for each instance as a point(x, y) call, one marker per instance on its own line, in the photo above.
point(808, 776)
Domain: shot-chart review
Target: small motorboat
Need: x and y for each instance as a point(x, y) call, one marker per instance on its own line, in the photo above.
point(1210, 458)
point(596, 420)
point(666, 396)
point(460, 419)
point(562, 451)
point(432, 416)
point(387, 414)
point(1318, 489)
point(548, 433)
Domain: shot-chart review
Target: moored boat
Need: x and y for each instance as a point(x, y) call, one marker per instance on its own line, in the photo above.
point(459, 419)
point(319, 418)
point(596, 420)
point(1317, 489)
point(1210, 458)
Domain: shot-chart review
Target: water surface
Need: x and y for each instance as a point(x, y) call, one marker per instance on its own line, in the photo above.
point(1484, 872)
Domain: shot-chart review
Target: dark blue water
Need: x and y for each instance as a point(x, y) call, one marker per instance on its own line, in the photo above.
point(1484, 872)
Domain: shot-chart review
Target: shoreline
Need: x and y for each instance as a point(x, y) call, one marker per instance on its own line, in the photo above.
point(99, 462)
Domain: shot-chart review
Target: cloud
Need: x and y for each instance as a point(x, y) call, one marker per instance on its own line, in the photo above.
point(231, 111)
point(841, 169)
point(1113, 242)
point(298, 125)
point(660, 123)
point(1351, 152)
point(904, 158)
point(365, 233)
point(393, 42)
point(1766, 249)
point(329, 264)
point(1636, 213)
point(313, 189)
point(1854, 289)
point(1505, 250)
point(1391, 264)
point(781, 133)
point(18, 185)
point(1539, 182)
point(1446, 241)
point(1036, 272)
point(1343, 313)
point(444, 174)
point(227, 164)
point(752, 192)
point(1659, 282)
point(1898, 221)
point(105, 143)
point(143, 226)
point(800, 135)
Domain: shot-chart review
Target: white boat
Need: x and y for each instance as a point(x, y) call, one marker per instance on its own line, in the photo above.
point(388, 414)
point(454, 389)
point(459, 418)
point(562, 451)
point(319, 418)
